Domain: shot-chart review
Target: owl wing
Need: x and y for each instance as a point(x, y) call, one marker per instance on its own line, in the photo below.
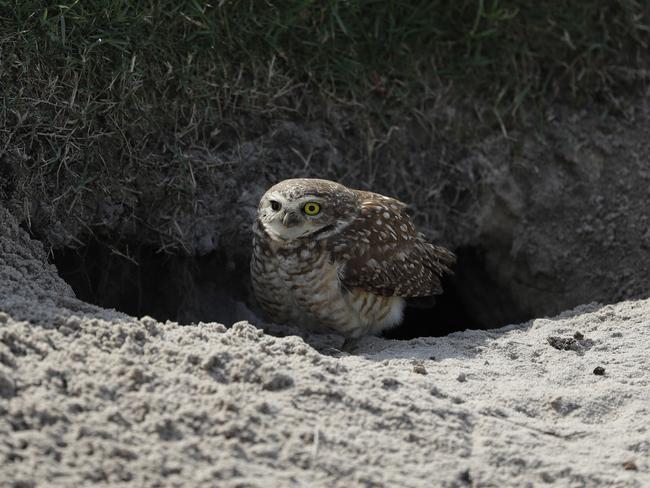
point(385, 255)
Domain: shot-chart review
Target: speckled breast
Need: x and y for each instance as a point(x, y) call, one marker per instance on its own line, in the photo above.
point(299, 284)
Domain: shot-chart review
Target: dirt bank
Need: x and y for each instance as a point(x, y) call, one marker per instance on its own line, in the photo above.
point(544, 217)
point(93, 396)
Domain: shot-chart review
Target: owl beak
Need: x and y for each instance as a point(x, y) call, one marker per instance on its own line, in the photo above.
point(291, 219)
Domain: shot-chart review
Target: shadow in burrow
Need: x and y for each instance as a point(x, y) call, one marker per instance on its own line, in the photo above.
point(138, 280)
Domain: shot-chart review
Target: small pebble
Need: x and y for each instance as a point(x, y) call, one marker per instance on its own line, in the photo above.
point(462, 378)
point(563, 343)
point(630, 466)
point(599, 370)
point(419, 369)
point(578, 336)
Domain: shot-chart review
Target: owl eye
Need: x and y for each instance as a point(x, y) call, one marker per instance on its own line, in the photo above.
point(311, 208)
point(275, 205)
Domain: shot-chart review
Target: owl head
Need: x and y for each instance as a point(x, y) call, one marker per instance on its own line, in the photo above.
point(306, 208)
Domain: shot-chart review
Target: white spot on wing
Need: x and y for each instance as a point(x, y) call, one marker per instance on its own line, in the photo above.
point(372, 263)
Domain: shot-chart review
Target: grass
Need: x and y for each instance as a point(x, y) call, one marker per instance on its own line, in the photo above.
point(99, 96)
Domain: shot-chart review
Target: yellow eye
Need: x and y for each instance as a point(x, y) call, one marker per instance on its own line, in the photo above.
point(311, 208)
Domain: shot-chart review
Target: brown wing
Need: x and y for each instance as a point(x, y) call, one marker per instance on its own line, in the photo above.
point(384, 254)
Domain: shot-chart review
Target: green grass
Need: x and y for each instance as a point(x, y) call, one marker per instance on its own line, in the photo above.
point(99, 93)
point(241, 53)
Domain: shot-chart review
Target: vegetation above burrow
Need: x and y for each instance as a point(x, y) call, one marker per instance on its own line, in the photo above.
point(98, 96)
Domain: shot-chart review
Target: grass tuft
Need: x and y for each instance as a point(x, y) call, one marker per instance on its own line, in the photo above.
point(98, 95)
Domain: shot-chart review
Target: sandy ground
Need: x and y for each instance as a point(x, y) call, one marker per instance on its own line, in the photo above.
point(94, 397)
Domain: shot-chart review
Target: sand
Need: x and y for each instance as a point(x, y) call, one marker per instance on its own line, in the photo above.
point(94, 397)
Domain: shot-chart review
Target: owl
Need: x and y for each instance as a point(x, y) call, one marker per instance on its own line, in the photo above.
point(330, 258)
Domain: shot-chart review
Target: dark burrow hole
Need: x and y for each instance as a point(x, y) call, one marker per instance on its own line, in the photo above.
point(138, 280)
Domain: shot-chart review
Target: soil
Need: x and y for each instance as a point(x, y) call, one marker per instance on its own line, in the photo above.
point(93, 396)
point(544, 216)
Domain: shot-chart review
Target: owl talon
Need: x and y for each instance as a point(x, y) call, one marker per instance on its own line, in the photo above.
point(350, 345)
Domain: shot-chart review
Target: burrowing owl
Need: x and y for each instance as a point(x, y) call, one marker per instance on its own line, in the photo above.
point(327, 257)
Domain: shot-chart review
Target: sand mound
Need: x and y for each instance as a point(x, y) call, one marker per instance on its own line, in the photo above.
point(91, 396)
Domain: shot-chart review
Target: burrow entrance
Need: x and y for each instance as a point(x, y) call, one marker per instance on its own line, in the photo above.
point(138, 280)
